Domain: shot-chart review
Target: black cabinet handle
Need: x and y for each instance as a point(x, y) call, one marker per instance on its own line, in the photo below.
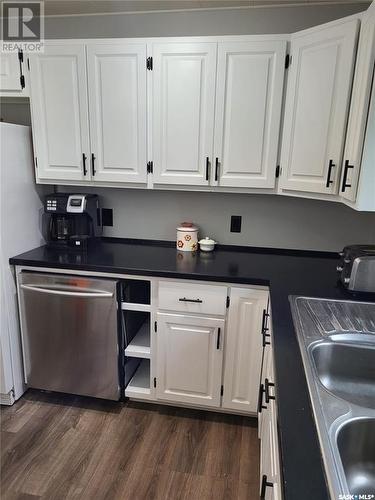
point(260, 399)
point(196, 301)
point(265, 329)
point(330, 166)
point(84, 158)
point(218, 338)
point(265, 483)
point(217, 164)
point(345, 178)
point(93, 158)
point(267, 385)
point(207, 167)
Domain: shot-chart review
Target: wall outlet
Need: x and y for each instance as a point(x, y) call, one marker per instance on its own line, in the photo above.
point(107, 217)
point(235, 223)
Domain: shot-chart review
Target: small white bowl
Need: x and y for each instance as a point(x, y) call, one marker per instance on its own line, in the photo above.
point(207, 245)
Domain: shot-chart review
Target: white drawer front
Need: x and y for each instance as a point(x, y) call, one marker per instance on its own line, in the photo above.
point(192, 298)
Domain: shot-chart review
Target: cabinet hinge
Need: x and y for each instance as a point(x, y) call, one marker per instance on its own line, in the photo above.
point(156, 326)
point(22, 81)
point(288, 61)
point(154, 381)
point(228, 301)
point(222, 390)
point(149, 63)
point(20, 55)
point(150, 167)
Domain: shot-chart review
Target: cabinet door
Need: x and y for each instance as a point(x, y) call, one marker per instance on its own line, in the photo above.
point(316, 107)
point(265, 461)
point(10, 73)
point(117, 97)
point(243, 349)
point(189, 359)
point(270, 480)
point(265, 371)
point(359, 106)
point(183, 112)
point(250, 78)
point(59, 111)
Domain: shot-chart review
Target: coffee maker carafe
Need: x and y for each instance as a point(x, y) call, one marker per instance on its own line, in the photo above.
point(72, 221)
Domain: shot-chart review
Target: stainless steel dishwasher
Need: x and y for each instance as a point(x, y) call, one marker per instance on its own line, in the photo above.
point(69, 334)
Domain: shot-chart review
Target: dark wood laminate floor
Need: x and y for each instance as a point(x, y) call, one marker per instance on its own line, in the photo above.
point(65, 447)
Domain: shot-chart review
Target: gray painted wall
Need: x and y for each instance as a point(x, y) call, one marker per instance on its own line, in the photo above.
point(268, 220)
point(205, 22)
point(15, 111)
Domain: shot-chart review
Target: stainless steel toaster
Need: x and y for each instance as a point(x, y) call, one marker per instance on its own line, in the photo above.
point(357, 268)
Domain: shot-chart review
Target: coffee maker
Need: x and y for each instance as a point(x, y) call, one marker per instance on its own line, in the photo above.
point(72, 221)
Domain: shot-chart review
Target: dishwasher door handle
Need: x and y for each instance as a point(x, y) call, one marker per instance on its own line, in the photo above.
point(53, 291)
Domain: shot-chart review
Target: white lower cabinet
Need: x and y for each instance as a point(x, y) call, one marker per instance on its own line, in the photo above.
point(189, 359)
point(270, 477)
point(209, 354)
point(243, 349)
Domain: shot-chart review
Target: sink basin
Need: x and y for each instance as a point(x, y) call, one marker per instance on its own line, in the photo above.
point(347, 371)
point(356, 445)
point(337, 343)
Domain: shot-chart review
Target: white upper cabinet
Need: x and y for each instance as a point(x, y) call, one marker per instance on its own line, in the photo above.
point(250, 77)
point(12, 80)
point(183, 97)
point(358, 116)
point(59, 111)
point(243, 349)
point(316, 108)
point(189, 359)
point(117, 107)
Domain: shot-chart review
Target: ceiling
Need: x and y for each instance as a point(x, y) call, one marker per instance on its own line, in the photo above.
point(76, 7)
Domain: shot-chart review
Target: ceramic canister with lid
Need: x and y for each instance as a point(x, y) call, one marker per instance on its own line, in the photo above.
point(187, 237)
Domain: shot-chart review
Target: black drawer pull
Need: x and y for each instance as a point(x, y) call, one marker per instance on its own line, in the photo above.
point(265, 329)
point(345, 178)
point(260, 399)
point(207, 167)
point(218, 338)
point(265, 483)
point(84, 158)
point(267, 385)
point(217, 164)
point(196, 301)
point(93, 158)
point(330, 166)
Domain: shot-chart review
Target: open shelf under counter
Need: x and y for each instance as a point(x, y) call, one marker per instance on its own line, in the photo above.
point(139, 386)
point(139, 347)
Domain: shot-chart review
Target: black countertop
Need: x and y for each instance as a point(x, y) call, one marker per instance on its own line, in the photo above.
point(287, 273)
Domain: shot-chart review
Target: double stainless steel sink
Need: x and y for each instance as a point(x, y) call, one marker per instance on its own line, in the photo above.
point(337, 342)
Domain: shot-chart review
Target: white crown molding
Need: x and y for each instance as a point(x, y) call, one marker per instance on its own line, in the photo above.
point(268, 5)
